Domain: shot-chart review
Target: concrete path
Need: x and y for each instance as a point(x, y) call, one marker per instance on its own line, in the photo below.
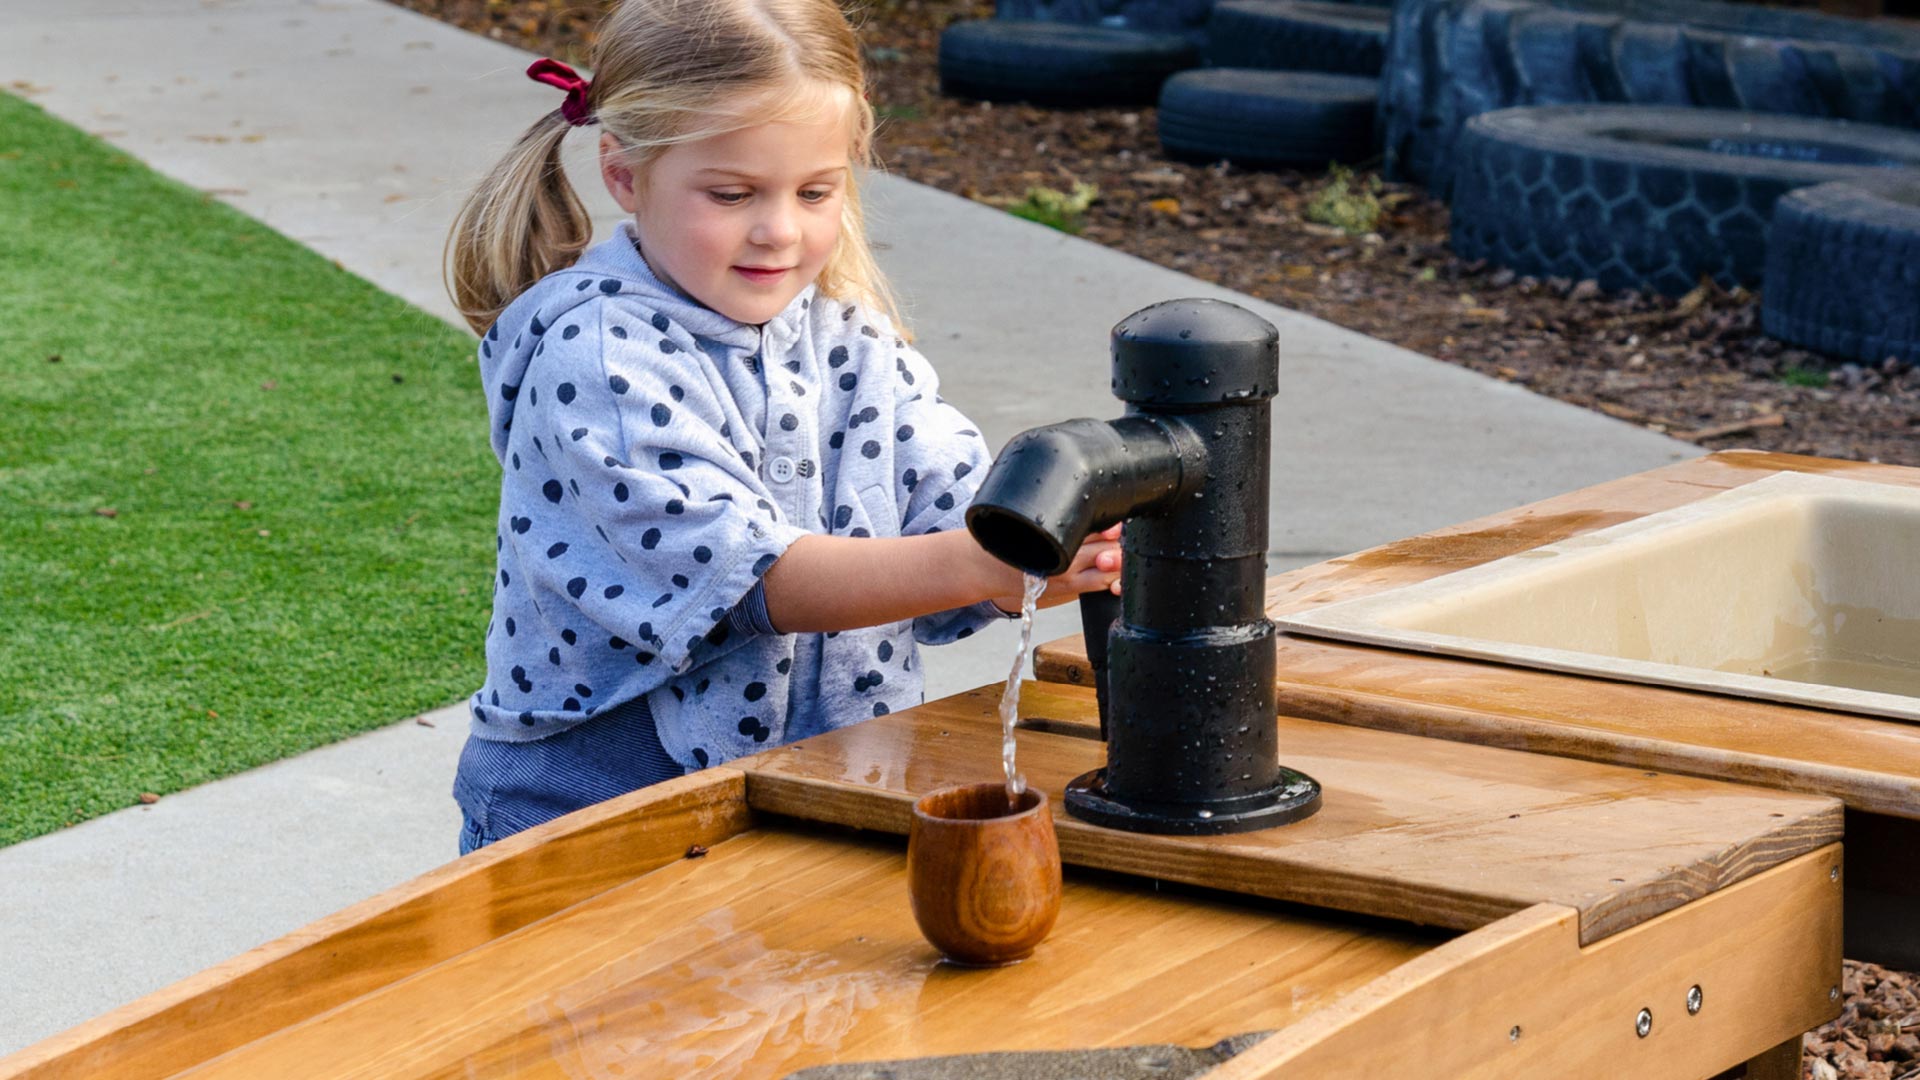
point(356, 127)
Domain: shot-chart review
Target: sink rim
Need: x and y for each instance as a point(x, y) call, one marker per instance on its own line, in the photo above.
point(1365, 619)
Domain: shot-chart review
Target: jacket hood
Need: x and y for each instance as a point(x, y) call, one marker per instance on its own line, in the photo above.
point(611, 269)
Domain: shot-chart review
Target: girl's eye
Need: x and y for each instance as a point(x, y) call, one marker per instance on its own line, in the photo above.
point(817, 196)
point(729, 198)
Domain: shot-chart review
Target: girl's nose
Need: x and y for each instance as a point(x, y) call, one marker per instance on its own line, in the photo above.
point(779, 227)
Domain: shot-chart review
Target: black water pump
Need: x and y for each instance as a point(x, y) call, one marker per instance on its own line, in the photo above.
point(1186, 695)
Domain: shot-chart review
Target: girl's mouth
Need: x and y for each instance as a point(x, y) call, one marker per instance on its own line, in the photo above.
point(759, 276)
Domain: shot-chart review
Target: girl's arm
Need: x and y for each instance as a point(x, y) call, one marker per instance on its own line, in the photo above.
point(826, 583)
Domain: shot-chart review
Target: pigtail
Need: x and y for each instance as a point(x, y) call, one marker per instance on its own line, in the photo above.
point(520, 224)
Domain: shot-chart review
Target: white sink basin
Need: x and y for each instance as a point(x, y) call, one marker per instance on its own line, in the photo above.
point(1794, 588)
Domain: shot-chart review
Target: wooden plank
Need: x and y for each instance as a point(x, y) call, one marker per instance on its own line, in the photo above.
point(1444, 833)
point(785, 948)
point(1522, 998)
point(414, 926)
point(1871, 764)
point(1783, 1062)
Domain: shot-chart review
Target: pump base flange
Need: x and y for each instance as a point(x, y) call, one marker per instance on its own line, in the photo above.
point(1296, 796)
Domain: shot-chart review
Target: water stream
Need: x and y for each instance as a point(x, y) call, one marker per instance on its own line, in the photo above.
point(1010, 699)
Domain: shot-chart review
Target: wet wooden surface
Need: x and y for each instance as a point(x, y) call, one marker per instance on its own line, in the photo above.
point(697, 929)
point(1872, 764)
point(386, 938)
point(1436, 832)
point(784, 948)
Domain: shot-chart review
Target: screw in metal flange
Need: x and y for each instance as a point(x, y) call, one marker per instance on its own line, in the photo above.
point(1694, 1000)
point(1643, 1024)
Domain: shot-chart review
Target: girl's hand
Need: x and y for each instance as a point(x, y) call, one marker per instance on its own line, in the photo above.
point(1095, 566)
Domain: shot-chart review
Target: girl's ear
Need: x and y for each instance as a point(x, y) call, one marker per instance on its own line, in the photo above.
point(617, 174)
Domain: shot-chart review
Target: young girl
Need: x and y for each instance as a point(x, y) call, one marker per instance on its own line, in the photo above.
point(732, 499)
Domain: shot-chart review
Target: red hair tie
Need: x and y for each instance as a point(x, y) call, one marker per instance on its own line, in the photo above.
point(556, 74)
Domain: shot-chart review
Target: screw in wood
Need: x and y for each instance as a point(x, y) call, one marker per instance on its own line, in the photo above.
point(1514, 1035)
point(1833, 874)
point(1833, 993)
point(1694, 1000)
point(1643, 1024)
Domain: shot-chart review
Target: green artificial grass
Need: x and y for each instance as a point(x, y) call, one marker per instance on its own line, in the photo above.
point(246, 503)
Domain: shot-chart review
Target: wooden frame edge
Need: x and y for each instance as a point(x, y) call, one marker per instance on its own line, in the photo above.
point(1522, 998)
point(414, 925)
point(1860, 791)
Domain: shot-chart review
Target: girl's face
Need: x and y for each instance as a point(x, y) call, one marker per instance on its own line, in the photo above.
point(741, 222)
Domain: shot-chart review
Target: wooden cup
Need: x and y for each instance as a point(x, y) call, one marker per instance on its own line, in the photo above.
point(984, 878)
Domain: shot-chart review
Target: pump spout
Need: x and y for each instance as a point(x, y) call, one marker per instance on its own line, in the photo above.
point(1191, 738)
point(1052, 486)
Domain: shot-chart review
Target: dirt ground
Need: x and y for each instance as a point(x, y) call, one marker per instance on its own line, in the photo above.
point(1696, 367)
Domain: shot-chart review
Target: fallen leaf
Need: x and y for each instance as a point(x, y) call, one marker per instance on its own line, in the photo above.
point(54, 359)
point(1168, 207)
point(212, 714)
point(242, 504)
point(105, 511)
point(696, 851)
point(269, 385)
point(149, 798)
point(266, 532)
point(423, 721)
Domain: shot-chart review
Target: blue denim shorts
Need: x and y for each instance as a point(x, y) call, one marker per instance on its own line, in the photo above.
point(504, 787)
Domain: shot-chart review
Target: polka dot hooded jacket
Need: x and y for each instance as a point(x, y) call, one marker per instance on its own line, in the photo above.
point(657, 457)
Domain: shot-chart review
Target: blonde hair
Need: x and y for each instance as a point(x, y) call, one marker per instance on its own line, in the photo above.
point(667, 72)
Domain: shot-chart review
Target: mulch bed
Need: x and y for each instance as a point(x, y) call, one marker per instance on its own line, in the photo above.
point(1877, 1036)
point(1696, 367)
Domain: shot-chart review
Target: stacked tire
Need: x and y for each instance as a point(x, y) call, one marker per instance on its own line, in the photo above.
point(1298, 35)
point(1050, 63)
point(1843, 269)
point(1288, 83)
point(1654, 198)
point(1267, 119)
point(1450, 60)
point(1188, 18)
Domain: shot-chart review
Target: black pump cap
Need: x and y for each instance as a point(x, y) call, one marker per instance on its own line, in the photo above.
point(1195, 353)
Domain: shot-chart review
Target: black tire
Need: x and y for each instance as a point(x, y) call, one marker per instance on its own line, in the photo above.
point(1267, 118)
point(1297, 35)
point(1185, 17)
point(1646, 197)
point(1843, 269)
point(1448, 60)
point(1057, 63)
